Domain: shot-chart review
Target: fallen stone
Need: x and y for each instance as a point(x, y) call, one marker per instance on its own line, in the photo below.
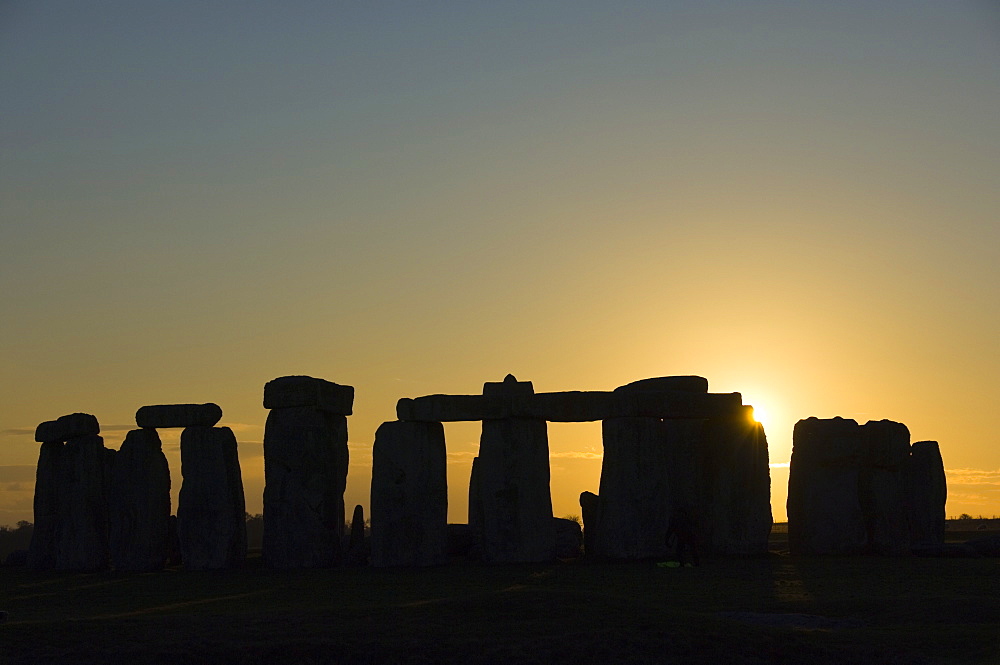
point(693, 384)
point(297, 391)
point(927, 493)
point(516, 503)
point(211, 510)
point(139, 504)
point(569, 538)
point(67, 427)
point(409, 495)
point(305, 472)
point(178, 415)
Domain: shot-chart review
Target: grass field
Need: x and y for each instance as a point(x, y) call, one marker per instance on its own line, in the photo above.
point(859, 610)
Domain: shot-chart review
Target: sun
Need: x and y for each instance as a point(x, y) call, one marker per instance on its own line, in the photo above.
point(761, 415)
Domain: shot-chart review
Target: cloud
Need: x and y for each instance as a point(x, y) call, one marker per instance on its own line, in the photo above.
point(17, 473)
point(973, 477)
point(577, 455)
point(19, 431)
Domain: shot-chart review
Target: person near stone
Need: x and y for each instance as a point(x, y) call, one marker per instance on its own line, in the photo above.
point(682, 538)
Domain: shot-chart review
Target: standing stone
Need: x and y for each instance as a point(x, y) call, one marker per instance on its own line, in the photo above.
point(211, 511)
point(409, 495)
point(590, 507)
point(824, 508)
point(734, 515)
point(476, 511)
point(305, 470)
point(515, 523)
point(48, 504)
point(882, 487)
point(635, 490)
point(927, 492)
point(82, 543)
point(357, 547)
point(139, 503)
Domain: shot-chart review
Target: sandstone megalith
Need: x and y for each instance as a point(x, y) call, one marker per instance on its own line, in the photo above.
point(178, 415)
point(139, 504)
point(71, 509)
point(305, 468)
point(409, 495)
point(927, 493)
point(211, 511)
point(515, 523)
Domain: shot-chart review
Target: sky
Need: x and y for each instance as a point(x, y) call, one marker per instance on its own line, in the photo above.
point(797, 201)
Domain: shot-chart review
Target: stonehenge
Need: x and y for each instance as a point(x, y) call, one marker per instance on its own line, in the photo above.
point(863, 489)
point(682, 468)
point(305, 470)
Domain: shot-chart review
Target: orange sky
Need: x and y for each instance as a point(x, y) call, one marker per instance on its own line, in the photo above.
point(797, 202)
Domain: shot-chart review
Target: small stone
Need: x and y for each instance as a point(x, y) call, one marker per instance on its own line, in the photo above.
point(178, 415)
point(67, 427)
point(569, 538)
point(927, 491)
point(292, 391)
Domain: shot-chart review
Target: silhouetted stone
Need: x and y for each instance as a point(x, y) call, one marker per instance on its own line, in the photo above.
point(574, 406)
point(16, 558)
point(174, 556)
point(67, 427)
point(48, 504)
point(569, 538)
point(306, 391)
point(409, 495)
point(927, 491)
point(513, 476)
point(82, 541)
point(211, 511)
point(694, 384)
point(590, 506)
point(735, 508)
point(824, 506)
point(305, 470)
point(451, 408)
point(476, 510)
point(882, 487)
point(847, 492)
point(178, 415)
point(509, 387)
point(357, 549)
point(635, 491)
point(460, 541)
point(139, 503)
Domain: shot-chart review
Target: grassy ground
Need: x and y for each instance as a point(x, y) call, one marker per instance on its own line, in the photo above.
point(863, 610)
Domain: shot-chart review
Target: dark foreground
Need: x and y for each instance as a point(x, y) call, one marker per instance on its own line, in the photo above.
point(775, 609)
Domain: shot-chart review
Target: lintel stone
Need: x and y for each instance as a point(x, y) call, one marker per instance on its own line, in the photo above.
point(178, 415)
point(293, 391)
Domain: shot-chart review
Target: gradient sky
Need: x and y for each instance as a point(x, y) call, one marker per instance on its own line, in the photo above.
point(798, 201)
